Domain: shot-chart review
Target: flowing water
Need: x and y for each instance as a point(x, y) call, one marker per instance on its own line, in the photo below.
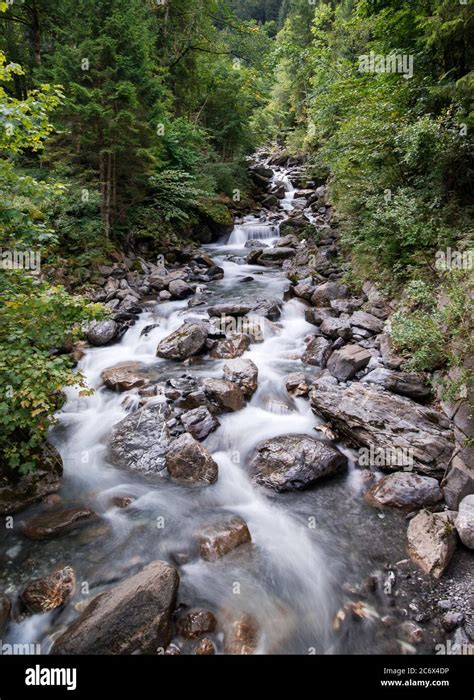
point(305, 545)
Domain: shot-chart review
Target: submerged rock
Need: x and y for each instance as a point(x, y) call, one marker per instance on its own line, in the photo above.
point(293, 462)
point(50, 592)
point(134, 617)
point(140, 441)
point(57, 523)
point(195, 623)
point(432, 541)
point(217, 540)
point(370, 417)
point(189, 462)
point(188, 340)
point(405, 490)
point(205, 648)
point(241, 636)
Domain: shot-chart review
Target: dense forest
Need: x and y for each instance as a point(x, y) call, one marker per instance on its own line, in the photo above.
point(128, 127)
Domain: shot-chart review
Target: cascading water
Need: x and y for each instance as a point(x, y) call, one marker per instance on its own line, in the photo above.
point(304, 545)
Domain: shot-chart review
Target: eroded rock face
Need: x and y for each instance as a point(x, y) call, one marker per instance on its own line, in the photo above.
point(5, 609)
point(19, 491)
point(54, 524)
point(405, 490)
point(140, 441)
point(196, 623)
point(369, 417)
point(102, 332)
point(346, 362)
point(217, 540)
point(51, 591)
point(188, 462)
point(133, 617)
point(223, 395)
point(124, 376)
point(293, 462)
point(199, 422)
point(432, 541)
point(244, 373)
point(465, 521)
point(188, 340)
point(403, 383)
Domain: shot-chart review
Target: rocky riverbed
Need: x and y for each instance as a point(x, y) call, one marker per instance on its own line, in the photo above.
point(255, 472)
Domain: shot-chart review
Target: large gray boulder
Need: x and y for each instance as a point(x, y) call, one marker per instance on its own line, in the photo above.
point(188, 462)
point(132, 618)
point(361, 319)
point(373, 418)
point(405, 490)
point(293, 462)
point(346, 362)
point(326, 292)
point(403, 383)
point(188, 340)
point(317, 351)
point(179, 289)
point(140, 441)
point(432, 541)
point(102, 332)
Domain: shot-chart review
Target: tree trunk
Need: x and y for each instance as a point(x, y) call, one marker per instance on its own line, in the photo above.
point(36, 35)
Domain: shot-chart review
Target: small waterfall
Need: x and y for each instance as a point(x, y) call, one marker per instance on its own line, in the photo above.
point(253, 232)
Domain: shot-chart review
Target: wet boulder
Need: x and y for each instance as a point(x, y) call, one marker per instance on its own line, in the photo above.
point(369, 417)
point(205, 647)
point(102, 332)
point(405, 490)
point(51, 591)
point(403, 383)
point(188, 340)
point(432, 541)
point(220, 538)
point(199, 422)
point(295, 462)
point(196, 623)
point(465, 521)
point(275, 256)
point(223, 395)
point(346, 362)
point(244, 373)
point(54, 524)
point(189, 462)
point(316, 316)
point(234, 346)
point(139, 442)
point(124, 376)
point(268, 308)
point(229, 309)
point(131, 618)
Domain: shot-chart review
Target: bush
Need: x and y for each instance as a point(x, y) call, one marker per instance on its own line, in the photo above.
point(36, 320)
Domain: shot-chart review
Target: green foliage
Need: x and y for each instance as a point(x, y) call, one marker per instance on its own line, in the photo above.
point(31, 376)
point(174, 195)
